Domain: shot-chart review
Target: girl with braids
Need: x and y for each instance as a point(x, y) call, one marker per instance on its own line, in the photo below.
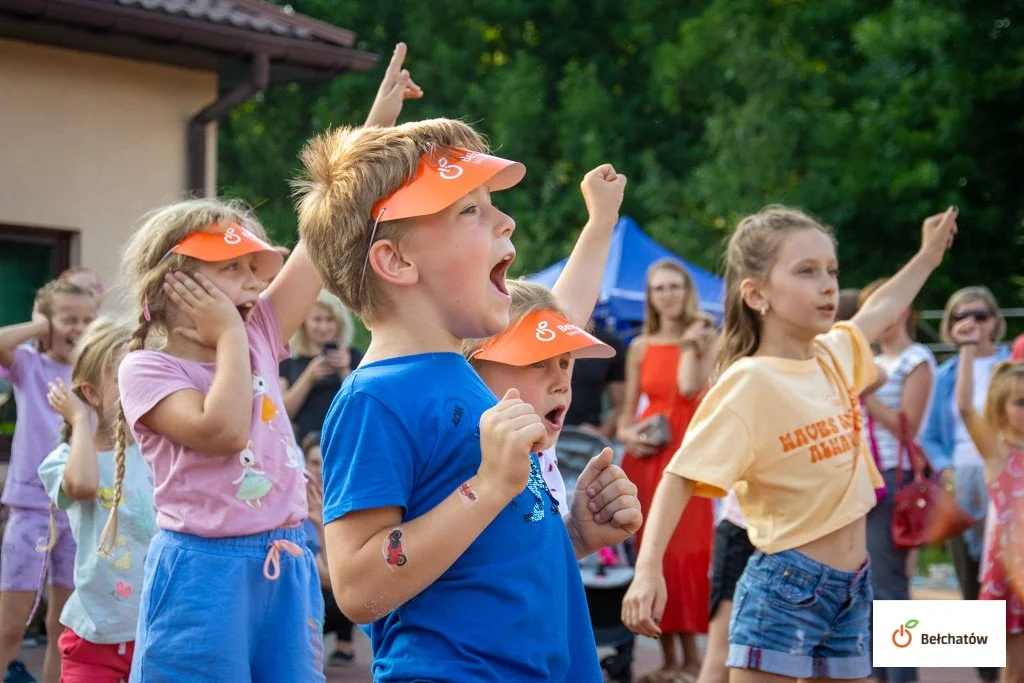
point(230, 593)
point(198, 393)
point(30, 550)
point(781, 426)
point(84, 477)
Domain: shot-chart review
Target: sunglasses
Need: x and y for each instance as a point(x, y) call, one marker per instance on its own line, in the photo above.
point(979, 316)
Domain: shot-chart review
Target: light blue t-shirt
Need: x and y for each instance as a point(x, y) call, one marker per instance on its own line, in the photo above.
point(104, 607)
point(405, 432)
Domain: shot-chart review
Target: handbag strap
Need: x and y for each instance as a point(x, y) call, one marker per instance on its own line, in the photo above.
point(875, 452)
point(915, 454)
point(905, 450)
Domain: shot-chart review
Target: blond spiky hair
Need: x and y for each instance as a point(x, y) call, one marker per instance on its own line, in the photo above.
point(345, 172)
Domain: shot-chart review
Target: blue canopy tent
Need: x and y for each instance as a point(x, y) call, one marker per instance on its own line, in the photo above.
point(632, 251)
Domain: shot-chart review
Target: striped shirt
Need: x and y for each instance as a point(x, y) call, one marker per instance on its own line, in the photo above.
point(891, 396)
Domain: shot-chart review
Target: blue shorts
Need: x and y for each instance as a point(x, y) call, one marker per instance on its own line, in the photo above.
point(209, 613)
point(795, 617)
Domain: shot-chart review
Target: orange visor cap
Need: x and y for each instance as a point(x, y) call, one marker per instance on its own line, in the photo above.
point(539, 336)
point(213, 245)
point(440, 182)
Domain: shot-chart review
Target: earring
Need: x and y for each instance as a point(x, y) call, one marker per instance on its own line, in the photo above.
point(764, 311)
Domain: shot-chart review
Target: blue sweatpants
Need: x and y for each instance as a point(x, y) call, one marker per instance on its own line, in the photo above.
point(208, 612)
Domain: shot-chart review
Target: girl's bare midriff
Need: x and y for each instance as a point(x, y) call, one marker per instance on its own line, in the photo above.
point(844, 549)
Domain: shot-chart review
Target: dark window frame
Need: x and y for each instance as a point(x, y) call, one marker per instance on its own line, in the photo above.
point(58, 239)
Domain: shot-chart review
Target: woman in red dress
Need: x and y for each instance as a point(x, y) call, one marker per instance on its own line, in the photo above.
point(670, 364)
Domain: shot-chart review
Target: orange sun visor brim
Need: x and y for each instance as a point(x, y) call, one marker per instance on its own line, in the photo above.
point(539, 336)
point(223, 243)
point(441, 181)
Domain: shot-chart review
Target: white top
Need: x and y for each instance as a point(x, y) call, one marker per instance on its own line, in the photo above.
point(730, 511)
point(548, 460)
point(890, 394)
point(105, 605)
point(965, 454)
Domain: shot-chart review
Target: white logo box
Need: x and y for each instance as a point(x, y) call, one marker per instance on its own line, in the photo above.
point(939, 633)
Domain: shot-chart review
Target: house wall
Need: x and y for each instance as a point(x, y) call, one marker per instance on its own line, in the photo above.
point(88, 143)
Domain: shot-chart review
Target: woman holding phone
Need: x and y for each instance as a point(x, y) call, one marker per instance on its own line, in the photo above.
point(322, 357)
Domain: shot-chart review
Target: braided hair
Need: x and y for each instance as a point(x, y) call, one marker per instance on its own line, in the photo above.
point(146, 260)
point(108, 536)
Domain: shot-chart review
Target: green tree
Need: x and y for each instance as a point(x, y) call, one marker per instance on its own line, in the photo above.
point(868, 114)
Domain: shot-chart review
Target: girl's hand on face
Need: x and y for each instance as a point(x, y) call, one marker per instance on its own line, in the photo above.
point(209, 309)
point(65, 402)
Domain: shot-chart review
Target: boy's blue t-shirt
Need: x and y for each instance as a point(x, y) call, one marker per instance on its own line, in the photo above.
point(405, 432)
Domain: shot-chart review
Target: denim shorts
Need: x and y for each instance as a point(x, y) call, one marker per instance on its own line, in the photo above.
point(795, 617)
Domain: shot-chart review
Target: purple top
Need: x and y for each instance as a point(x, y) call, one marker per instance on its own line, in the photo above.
point(37, 431)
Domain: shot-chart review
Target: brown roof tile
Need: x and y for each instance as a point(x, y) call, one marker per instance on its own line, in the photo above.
point(251, 15)
point(296, 44)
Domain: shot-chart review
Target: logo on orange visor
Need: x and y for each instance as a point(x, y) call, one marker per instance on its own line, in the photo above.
point(440, 181)
point(214, 244)
point(539, 336)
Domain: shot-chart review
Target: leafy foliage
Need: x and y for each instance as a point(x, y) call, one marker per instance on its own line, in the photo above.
point(868, 114)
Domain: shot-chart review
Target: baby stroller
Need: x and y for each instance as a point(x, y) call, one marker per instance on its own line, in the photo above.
point(606, 574)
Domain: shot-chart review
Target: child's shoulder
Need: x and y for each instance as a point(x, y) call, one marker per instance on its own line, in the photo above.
point(745, 371)
point(264, 323)
point(843, 333)
point(745, 382)
point(149, 366)
point(411, 389)
point(148, 358)
point(419, 373)
point(918, 353)
point(24, 355)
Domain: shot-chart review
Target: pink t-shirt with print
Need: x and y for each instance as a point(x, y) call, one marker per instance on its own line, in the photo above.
point(213, 494)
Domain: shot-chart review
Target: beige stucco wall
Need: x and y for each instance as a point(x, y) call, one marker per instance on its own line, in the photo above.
point(89, 143)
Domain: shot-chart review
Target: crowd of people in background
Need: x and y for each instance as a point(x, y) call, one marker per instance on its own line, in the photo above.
point(159, 473)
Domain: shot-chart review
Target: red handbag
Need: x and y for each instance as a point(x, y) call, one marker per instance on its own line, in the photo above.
point(924, 511)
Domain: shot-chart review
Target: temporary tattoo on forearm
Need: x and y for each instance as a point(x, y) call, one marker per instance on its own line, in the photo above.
point(467, 495)
point(394, 550)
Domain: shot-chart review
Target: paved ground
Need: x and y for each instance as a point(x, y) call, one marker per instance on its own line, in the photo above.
point(647, 657)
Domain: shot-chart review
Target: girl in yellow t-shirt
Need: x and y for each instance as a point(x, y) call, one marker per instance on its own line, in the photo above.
point(782, 427)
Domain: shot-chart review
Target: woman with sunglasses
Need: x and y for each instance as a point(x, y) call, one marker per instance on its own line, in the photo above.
point(945, 439)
